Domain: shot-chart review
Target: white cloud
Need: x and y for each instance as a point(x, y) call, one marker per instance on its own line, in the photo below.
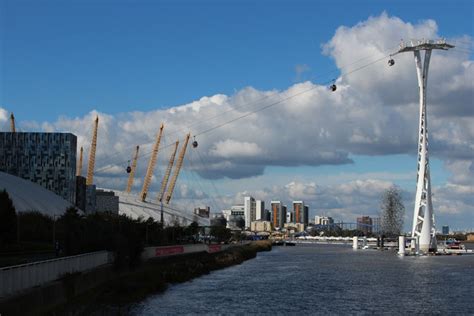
point(3, 114)
point(453, 204)
point(373, 112)
point(231, 148)
point(4, 119)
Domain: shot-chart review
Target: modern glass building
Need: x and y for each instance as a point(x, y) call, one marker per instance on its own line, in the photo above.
point(48, 159)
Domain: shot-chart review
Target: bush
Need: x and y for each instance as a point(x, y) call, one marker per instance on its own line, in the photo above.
point(8, 219)
point(35, 227)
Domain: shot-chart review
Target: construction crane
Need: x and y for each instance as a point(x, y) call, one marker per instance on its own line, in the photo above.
point(79, 167)
point(151, 164)
point(90, 166)
point(168, 172)
point(169, 193)
point(132, 171)
point(12, 123)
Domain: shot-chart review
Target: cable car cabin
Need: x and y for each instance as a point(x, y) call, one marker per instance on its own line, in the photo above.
point(195, 144)
point(129, 169)
point(391, 62)
point(333, 87)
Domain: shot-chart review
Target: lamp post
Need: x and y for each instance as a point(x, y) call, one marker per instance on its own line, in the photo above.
point(56, 247)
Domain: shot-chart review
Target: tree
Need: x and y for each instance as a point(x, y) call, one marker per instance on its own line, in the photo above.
point(220, 233)
point(240, 222)
point(8, 219)
point(219, 221)
point(192, 229)
point(393, 212)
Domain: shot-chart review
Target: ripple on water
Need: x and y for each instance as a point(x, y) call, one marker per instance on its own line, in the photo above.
point(324, 279)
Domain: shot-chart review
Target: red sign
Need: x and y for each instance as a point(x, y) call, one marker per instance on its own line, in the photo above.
point(166, 251)
point(213, 248)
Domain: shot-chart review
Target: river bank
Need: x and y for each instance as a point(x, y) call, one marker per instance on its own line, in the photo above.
point(106, 290)
point(155, 274)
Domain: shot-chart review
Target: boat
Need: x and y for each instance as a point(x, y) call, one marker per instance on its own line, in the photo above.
point(454, 244)
point(454, 247)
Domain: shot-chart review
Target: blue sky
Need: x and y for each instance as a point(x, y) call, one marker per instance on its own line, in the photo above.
point(120, 56)
point(62, 60)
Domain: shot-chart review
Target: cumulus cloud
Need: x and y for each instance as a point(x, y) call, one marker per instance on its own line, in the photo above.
point(3, 119)
point(232, 148)
point(453, 204)
point(373, 112)
point(3, 114)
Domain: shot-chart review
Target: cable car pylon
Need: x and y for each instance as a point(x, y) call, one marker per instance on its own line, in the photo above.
point(423, 214)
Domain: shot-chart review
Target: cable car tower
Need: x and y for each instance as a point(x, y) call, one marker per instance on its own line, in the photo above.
point(423, 215)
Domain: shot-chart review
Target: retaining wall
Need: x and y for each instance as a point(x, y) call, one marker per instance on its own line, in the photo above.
point(17, 278)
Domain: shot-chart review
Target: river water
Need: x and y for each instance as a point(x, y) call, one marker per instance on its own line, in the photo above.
point(325, 279)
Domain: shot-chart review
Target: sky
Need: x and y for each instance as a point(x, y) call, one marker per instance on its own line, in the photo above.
point(199, 66)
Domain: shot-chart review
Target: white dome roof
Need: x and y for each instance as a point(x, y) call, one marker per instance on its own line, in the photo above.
point(29, 196)
point(132, 206)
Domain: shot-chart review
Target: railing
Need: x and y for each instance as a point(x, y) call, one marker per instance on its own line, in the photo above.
point(20, 277)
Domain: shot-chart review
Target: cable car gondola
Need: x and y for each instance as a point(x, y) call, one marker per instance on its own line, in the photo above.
point(129, 169)
point(391, 62)
point(195, 143)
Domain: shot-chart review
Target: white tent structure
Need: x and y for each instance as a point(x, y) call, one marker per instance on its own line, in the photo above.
point(132, 206)
point(29, 196)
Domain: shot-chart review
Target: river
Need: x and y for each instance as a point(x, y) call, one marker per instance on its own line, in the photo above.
point(325, 279)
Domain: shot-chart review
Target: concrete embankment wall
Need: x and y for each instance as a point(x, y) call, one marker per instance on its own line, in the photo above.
point(154, 274)
point(80, 291)
point(42, 299)
point(22, 277)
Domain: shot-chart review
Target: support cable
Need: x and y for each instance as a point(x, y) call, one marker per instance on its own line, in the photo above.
point(268, 105)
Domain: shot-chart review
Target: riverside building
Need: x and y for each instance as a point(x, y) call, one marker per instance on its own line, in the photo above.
point(260, 210)
point(323, 220)
point(364, 224)
point(250, 210)
point(300, 213)
point(278, 214)
point(47, 159)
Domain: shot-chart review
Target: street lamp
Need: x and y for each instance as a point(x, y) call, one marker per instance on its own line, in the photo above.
point(56, 247)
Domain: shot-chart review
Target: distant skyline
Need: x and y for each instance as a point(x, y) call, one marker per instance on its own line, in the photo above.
point(137, 63)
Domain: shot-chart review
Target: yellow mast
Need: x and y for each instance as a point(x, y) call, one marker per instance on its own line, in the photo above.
point(132, 172)
point(168, 172)
point(12, 123)
point(79, 167)
point(151, 164)
point(90, 166)
point(177, 169)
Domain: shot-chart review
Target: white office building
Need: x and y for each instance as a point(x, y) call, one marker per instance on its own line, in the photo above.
point(323, 220)
point(233, 215)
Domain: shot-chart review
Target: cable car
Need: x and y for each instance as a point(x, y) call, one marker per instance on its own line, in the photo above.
point(391, 62)
point(129, 169)
point(195, 143)
point(333, 87)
